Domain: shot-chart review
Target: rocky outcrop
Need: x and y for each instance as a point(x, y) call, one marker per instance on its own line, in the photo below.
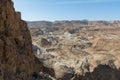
point(16, 57)
point(101, 72)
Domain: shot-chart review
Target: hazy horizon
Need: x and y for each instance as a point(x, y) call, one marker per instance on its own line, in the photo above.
point(52, 10)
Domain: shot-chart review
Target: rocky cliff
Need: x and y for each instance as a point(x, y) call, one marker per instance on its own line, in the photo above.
point(16, 57)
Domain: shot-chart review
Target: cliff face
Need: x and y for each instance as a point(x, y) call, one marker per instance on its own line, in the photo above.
point(16, 58)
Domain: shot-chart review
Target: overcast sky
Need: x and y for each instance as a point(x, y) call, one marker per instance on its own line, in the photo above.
point(50, 10)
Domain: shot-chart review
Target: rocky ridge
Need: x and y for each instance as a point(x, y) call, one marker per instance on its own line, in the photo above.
point(16, 56)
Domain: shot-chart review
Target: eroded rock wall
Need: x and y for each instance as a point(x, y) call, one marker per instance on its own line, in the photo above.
point(16, 57)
